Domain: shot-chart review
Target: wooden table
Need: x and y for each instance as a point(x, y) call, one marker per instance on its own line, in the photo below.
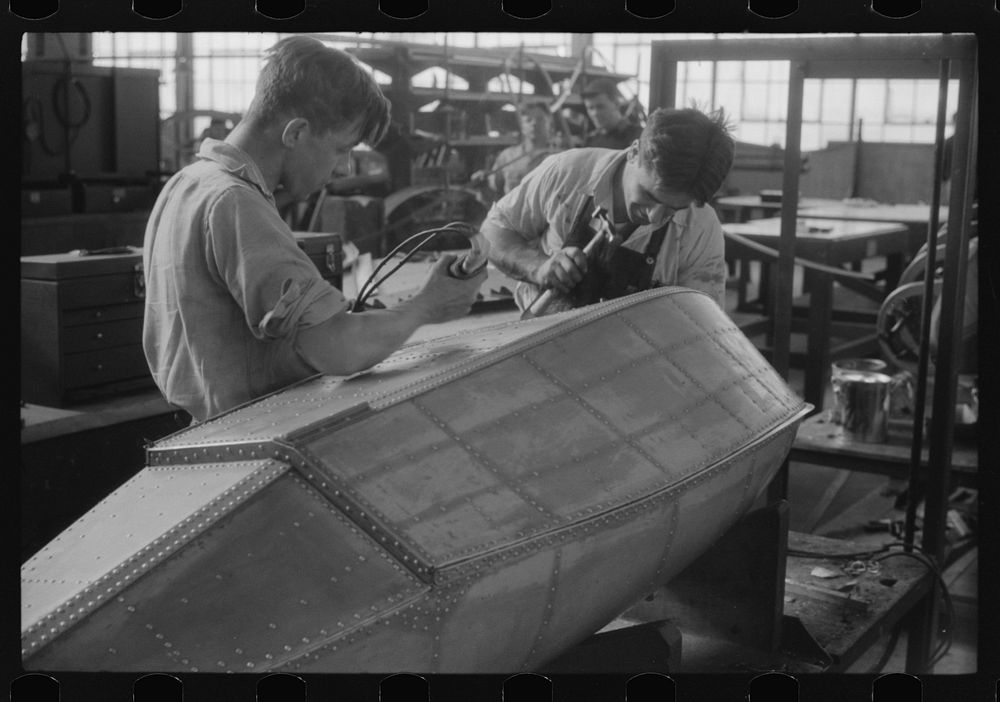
point(821, 442)
point(742, 208)
point(915, 216)
point(833, 243)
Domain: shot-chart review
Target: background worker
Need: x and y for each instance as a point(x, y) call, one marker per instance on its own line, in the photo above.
point(234, 309)
point(515, 162)
point(654, 193)
point(612, 129)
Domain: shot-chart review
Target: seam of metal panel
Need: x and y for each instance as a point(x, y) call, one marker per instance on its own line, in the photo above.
point(518, 347)
point(332, 487)
point(74, 610)
point(315, 651)
point(458, 569)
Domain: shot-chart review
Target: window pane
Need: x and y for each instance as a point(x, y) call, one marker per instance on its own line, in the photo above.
point(729, 96)
point(869, 104)
point(626, 59)
point(697, 70)
point(834, 132)
point(729, 71)
point(923, 134)
point(755, 105)
point(810, 137)
point(811, 100)
point(837, 101)
point(775, 134)
point(756, 71)
point(697, 93)
point(926, 102)
point(900, 108)
point(752, 132)
point(777, 102)
point(896, 133)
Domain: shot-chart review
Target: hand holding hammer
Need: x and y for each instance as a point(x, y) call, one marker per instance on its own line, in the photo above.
point(605, 232)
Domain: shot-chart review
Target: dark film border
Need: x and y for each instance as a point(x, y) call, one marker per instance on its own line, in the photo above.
point(979, 17)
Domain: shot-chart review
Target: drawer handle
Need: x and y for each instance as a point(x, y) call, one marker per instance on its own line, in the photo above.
point(99, 366)
point(98, 314)
point(99, 336)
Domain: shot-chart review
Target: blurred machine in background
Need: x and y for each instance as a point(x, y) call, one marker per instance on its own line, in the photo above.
point(90, 140)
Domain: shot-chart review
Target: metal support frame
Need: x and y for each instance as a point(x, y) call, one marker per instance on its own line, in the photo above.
point(904, 56)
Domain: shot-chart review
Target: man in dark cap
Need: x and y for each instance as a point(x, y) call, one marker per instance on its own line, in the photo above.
point(612, 129)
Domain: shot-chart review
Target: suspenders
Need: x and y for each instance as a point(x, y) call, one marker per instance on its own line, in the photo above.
point(612, 273)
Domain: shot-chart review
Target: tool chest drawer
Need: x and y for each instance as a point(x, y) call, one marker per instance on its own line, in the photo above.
point(327, 254)
point(81, 326)
point(104, 335)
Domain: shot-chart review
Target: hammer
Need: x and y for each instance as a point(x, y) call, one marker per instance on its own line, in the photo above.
point(604, 231)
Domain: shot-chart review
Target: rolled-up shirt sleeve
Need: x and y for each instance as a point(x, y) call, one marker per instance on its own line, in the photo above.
point(273, 281)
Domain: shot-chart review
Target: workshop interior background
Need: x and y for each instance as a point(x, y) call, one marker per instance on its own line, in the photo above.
point(109, 117)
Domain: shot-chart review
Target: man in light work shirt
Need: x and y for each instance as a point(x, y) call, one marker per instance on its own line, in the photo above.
point(612, 130)
point(654, 192)
point(515, 162)
point(234, 308)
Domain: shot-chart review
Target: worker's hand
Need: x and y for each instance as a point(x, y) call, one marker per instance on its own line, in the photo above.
point(478, 179)
point(445, 297)
point(562, 271)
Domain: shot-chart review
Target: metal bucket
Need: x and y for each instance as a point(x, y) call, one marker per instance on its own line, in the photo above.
point(850, 365)
point(863, 402)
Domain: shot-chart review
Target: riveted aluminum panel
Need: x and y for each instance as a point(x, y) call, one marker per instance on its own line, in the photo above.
point(601, 414)
point(281, 576)
point(327, 402)
point(478, 502)
point(150, 516)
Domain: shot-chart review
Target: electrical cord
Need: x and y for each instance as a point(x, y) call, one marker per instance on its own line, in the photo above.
point(62, 111)
point(369, 286)
point(432, 232)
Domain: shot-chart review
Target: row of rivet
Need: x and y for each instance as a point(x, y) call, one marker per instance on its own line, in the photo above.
point(514, 348)
point(763, 370)
point(732, 329)
point(362, 514)
point(310, 646)
point(547, 612)
point(482, 460)
point(100, 590)
point(329, 424)
point(669, 545)
point(690, 377)
point(631, 440)
point(472, 569)
point(224, 453)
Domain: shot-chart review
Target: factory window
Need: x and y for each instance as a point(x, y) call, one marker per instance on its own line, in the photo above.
point(141, 50)
point(224, 67)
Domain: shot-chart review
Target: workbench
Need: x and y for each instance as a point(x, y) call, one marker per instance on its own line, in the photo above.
point(915, 217)
point(743, 208)
point(832, 243)
point(763, 598)
point(821, 442)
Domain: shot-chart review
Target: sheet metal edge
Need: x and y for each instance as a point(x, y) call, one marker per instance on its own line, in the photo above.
point(134, 567)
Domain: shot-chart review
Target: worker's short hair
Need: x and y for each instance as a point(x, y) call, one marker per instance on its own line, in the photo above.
point(601, 86)
point(690, 151)
point(529, 105)
point(303, 77)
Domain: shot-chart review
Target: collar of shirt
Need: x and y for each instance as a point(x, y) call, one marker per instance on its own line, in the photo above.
point(603, 189)
point(236, 161)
